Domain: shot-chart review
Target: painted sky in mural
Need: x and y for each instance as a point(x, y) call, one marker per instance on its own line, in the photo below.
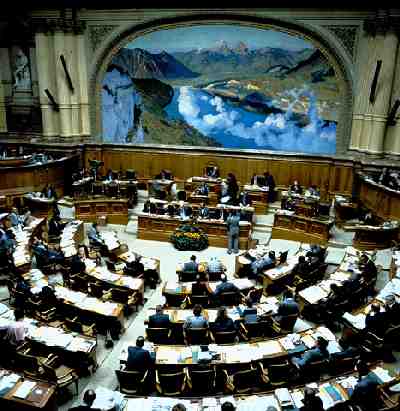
point(222, 85)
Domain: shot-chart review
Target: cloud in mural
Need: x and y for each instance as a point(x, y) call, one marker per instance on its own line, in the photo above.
point(228, 124)
point(231, 86)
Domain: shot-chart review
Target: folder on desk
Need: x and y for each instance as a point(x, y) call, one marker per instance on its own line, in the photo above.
point(24, 389)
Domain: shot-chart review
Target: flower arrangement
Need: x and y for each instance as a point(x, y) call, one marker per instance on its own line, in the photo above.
point(189, 237)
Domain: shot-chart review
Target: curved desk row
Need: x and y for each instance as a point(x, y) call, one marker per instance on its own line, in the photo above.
point(160, 228)
point(383, 201)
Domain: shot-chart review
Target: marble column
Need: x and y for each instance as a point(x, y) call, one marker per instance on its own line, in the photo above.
point(378, 42)
point(46, 80)
point(83, 85)
point(63, 90)
point(3, 117)
point(72, 65)
point(392, 139)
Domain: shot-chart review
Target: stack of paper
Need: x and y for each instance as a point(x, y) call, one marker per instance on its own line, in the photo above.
point(283, 396)
point(313, 294)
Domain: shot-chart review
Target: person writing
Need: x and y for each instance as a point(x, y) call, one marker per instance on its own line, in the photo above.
point(139, 359)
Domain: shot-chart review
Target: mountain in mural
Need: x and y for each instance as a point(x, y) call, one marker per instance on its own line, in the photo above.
point(139, 63)
point(240, 58)
point(315, 65)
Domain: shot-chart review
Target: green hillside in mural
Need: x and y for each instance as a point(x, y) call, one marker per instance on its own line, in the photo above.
point(246, 93)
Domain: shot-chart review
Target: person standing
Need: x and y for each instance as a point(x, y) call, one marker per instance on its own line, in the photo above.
point(232, 223)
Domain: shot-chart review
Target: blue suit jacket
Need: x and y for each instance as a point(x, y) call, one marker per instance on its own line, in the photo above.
point(139, 359)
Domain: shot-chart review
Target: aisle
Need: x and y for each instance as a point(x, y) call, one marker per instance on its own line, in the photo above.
point(169, 258)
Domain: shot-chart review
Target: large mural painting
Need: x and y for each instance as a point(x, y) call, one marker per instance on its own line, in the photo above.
point(224, 85)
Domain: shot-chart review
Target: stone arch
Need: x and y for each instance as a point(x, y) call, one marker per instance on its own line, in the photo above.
point(324, 39)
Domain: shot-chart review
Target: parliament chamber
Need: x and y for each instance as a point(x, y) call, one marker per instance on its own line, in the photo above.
point(199, 208)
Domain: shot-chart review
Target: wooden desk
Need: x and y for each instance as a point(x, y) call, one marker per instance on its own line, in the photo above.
point(383, 201)
point(300, 228)
point(39, 207)
point(258, 197)
point(213, 183)
point(42, 397)
point(15, 161)
point(116, 210)
point(371, 238)
point(160, 228)
point(261, 401)
point(242, 353)
point(345, 210)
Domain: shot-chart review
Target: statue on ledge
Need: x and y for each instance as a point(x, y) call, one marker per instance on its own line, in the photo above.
point(22, 76)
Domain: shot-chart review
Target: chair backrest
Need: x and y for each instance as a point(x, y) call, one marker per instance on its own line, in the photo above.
point(229, 298)
point(171, 383)
point(73, 326)
point(203, 380)
point(96, 290)
point(186, 276)
point(313, 370)
point(158, 335)
point(27, 363)
point(119, 295)
point(203, 300)
point(246, 380)
point(110, 265)
point(278, 372)
point(130, 381)
point(287, 322)
point(197, 336)
point(225, 337)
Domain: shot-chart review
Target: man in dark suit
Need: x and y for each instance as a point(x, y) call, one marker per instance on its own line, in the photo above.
point(55, 226)
point(88, 399)
point(318, 353)
point(375, 321)
point(203, 211)
point(244, 199)
point(288, 306)
point(139, 359)
point(392, 308)
point(159, 319)
point(225, 286)
point(367, 267)
point(365, 393)
point(192, 265)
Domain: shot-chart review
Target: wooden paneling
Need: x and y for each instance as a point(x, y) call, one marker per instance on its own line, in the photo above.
point(303, 229)
point(116, 210)
point(161, 228)
point(17, 181)
point(384, 203)
point(332, 176)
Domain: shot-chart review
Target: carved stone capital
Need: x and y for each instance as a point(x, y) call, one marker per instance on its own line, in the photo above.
point(382, 23)
point(60, 25)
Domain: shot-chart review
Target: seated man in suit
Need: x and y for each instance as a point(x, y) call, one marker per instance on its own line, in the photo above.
point(225, 286)
point(392, 308)
point(88, 399)
point(94, 235)
point(287, 307)
point(317, 251)
point(55, 226)
point(203, 211)
point(376, 321)
point(197, 320)
point(244, 199)
point(295, 188)
point(318, 353)
point(302, 268)
point(191, 266)
point(203, 190)
point(212, 171)
point(365, 393)
point(249, 313)
point(311, 402)
point(263, 263)
point(367, 267)
point(139, 359)
point(159, 319)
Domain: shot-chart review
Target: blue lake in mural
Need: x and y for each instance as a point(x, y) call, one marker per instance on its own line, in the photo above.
point(262, 89)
